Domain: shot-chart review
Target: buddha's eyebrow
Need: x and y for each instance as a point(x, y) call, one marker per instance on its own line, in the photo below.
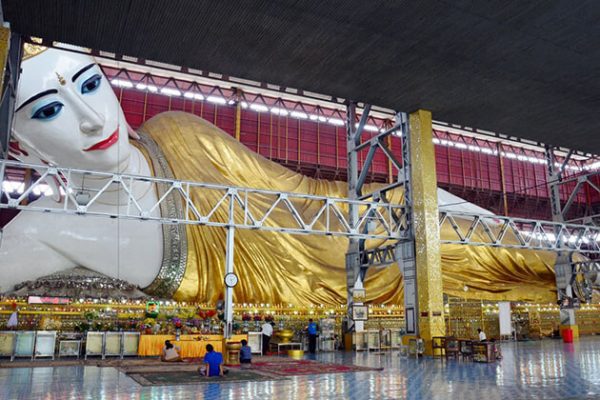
point(81, 71)
point(37, 96)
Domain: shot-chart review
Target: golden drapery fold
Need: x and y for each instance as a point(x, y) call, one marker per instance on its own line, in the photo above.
point(309, 269)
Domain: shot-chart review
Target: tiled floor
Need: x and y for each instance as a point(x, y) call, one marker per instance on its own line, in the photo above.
point(533, 370)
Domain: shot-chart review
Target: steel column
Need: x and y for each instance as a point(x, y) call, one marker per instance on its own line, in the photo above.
point(229, 249)
point(354, 245)
point(563, 269)
point(10, 57)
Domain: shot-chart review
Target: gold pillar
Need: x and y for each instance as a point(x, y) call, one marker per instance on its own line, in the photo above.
point(426, 228)
point(238, 120)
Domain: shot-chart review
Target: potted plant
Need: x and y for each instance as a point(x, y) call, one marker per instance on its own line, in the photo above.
point(257, 318)
point(147, 325)
point(245, 319)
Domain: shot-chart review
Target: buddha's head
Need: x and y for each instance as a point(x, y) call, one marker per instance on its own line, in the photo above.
point(67, 114)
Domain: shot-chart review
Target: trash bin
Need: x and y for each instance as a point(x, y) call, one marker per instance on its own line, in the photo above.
point(567, 335)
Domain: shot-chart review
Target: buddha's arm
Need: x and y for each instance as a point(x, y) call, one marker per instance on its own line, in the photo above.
point(23, 256)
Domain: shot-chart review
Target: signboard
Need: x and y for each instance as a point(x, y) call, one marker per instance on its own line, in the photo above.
point(48, 300)
point(360, 313)
point(152, 309)
point(504, 317)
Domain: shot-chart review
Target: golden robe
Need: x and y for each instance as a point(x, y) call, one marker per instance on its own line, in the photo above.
point(310, 269)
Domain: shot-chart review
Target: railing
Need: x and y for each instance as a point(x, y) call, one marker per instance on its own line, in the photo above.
point(295, 213)
point(84, 193)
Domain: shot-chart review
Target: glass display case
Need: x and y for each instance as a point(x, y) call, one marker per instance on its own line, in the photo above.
point(94, 344)
point(360, 341)
point(45, 344)
point(385, 339)
point(69, 348)
point(483, 352)
point(373, 342)
point(396, 338)
point(327, 334)
point(255, 342)
point(416, 347)
point(112, 344)
point(24, 344)
point(131, 342)
point(7, 343)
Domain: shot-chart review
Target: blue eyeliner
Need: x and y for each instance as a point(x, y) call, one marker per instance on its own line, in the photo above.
point(46, 110)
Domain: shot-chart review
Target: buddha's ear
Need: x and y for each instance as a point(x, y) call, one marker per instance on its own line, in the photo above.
point(21, 152)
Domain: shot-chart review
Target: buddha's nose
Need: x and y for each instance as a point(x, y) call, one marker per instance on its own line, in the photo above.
point(92, 123)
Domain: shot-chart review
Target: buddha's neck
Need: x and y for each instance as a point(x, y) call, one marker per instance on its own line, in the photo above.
point(115, 194)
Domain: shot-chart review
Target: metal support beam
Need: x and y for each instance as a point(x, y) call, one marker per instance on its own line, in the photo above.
point(563, 269)
point(229, 290)
point(553, 177)
point(10, 57)
point(353, 264)
point(359, 259)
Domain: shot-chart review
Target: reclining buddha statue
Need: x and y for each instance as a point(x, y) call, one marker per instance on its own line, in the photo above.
point(67, 115)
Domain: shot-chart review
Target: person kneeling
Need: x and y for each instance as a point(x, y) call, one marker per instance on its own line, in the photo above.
point(245, 354)
point(213, 363)
point(170, 353)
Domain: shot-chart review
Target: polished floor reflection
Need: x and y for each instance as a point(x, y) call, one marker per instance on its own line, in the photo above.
point(532, 370)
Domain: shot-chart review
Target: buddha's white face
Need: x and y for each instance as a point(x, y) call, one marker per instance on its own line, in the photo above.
point(68, 115)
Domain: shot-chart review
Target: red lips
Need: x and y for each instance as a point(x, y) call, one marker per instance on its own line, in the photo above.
point(106, 143)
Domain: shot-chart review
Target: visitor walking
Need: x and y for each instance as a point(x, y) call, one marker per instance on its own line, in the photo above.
point(312, 336)
point(267, 332)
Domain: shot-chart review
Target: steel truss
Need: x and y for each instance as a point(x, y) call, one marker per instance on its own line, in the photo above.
point(326, 216)
point(504, 232)
point(244, 208)
point(577, 185)
point(519, 233)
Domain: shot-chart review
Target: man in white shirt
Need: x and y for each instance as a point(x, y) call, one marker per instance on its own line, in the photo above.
point(482, 337)
point(267, 332)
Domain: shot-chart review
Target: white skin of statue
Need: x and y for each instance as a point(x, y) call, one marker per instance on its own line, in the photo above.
point(75, 121)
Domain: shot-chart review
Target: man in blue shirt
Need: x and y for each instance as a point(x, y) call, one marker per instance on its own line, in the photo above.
point(213, 362)
point(312, 336)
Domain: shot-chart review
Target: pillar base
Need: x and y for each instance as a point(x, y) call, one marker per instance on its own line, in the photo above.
point(574, 328)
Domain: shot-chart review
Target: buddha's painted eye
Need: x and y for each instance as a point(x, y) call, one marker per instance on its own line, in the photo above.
point(48, 112)
point(91, 84)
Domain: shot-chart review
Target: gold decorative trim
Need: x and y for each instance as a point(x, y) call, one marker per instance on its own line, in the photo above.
point(31, 50)
point(174, 261)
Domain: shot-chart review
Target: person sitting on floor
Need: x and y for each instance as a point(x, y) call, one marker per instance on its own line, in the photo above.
point(213, 363)
point(170, 353)
point(245, 353)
